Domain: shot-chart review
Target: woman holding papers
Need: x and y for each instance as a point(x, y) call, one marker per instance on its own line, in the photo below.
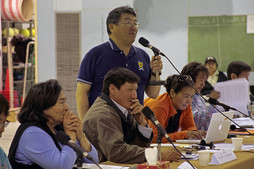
point(173, 110)
point(43, 113)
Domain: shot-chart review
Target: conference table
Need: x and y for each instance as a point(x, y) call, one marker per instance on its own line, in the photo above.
point(245, 159)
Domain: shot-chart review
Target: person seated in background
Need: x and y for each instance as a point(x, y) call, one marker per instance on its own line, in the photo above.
point(214, 75)
point(43, 113)
point(115, 124)
point(202, 113)
point(4, 112)
point(173, 110)
point(239, 69)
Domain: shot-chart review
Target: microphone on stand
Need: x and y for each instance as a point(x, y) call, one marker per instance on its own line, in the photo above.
point(226, 107)
point(65, 139)
point(150, 115)
point(216, 102)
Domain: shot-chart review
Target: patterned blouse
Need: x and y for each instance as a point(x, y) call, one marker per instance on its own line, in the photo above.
point(202, 112)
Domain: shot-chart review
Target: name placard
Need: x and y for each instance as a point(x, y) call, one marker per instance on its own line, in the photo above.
point(223, 156)
point(185, 165)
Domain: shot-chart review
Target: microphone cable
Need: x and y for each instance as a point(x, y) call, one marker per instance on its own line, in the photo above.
point(64, 138)
point(197, 91)
point(150, 115)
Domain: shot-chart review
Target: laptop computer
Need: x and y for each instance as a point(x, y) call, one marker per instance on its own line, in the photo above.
point(218, 128)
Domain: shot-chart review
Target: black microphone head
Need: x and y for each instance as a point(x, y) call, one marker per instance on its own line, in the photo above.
point(62, 137)
point(143, 42)
point(213, 101)
point(147, 112)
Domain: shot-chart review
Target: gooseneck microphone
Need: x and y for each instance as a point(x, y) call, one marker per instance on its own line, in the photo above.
point(65, 139)
point(226, 107)
point(147, 44)
point(216, 102)
point(150, 115)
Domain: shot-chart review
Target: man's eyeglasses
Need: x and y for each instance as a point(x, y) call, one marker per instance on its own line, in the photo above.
point(5, 124)
point(129, 24)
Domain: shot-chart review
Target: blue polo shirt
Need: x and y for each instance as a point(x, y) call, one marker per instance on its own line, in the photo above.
point(102, 58)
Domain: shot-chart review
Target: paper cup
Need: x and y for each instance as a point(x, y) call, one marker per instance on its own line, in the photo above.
point(237, 143)
point(204, 157)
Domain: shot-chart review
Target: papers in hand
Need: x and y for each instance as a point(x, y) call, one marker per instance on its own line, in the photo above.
point(234, 93)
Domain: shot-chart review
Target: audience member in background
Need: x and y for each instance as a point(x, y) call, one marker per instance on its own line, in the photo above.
point(173, 110)
point(4, 112)
point(122, 28)
point(43, 113)
point(214, 75)
point(239, 69)
point(202, 112)
point(115, 124)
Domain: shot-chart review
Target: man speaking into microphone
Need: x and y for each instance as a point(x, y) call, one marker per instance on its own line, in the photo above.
point(118, 51)
point(115, 125)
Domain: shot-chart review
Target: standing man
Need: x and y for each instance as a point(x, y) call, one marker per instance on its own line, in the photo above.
point(122, 28)
point(115, 125)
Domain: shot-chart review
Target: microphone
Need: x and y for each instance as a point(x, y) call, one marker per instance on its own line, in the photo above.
point(147, 44)
point(66, 140)
point(150, 116)
point(216, 102)
point(157, 83)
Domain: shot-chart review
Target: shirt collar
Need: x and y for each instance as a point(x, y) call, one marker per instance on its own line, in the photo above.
point(123, 110)
point(114, 47)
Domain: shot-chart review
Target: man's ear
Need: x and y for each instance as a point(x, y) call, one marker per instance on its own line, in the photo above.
point(233, 76)
point(112, 89)
point(111, 27)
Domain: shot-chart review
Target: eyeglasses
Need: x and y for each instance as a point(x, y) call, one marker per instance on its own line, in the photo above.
point(180, 79)
point(5, 124)
point(129, 24)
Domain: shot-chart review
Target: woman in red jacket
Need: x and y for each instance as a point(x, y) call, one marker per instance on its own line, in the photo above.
point(173, 110)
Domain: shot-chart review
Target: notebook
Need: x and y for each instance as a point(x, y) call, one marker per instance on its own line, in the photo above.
point(218, 128)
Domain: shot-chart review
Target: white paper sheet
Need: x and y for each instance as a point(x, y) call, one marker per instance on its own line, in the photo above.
point(93, 166)
point(234, 93)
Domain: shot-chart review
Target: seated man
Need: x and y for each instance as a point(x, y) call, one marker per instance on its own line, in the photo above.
point(115, 125)
point(239, 69)
point(173, 110)
point(214, 75)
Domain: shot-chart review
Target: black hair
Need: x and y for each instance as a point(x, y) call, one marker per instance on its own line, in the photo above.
point(177, 82)
point(4, 105)
point(192, 69)
point(237, 67)
point(40, 97)
point(118, 76)
point(114, 16)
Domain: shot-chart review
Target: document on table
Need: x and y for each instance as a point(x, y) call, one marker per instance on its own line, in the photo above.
point(234, 93)
point(244, 122)
point(221, 146)
point(93, 166)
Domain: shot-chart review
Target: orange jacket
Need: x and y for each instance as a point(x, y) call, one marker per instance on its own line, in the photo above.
point(163, 110)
